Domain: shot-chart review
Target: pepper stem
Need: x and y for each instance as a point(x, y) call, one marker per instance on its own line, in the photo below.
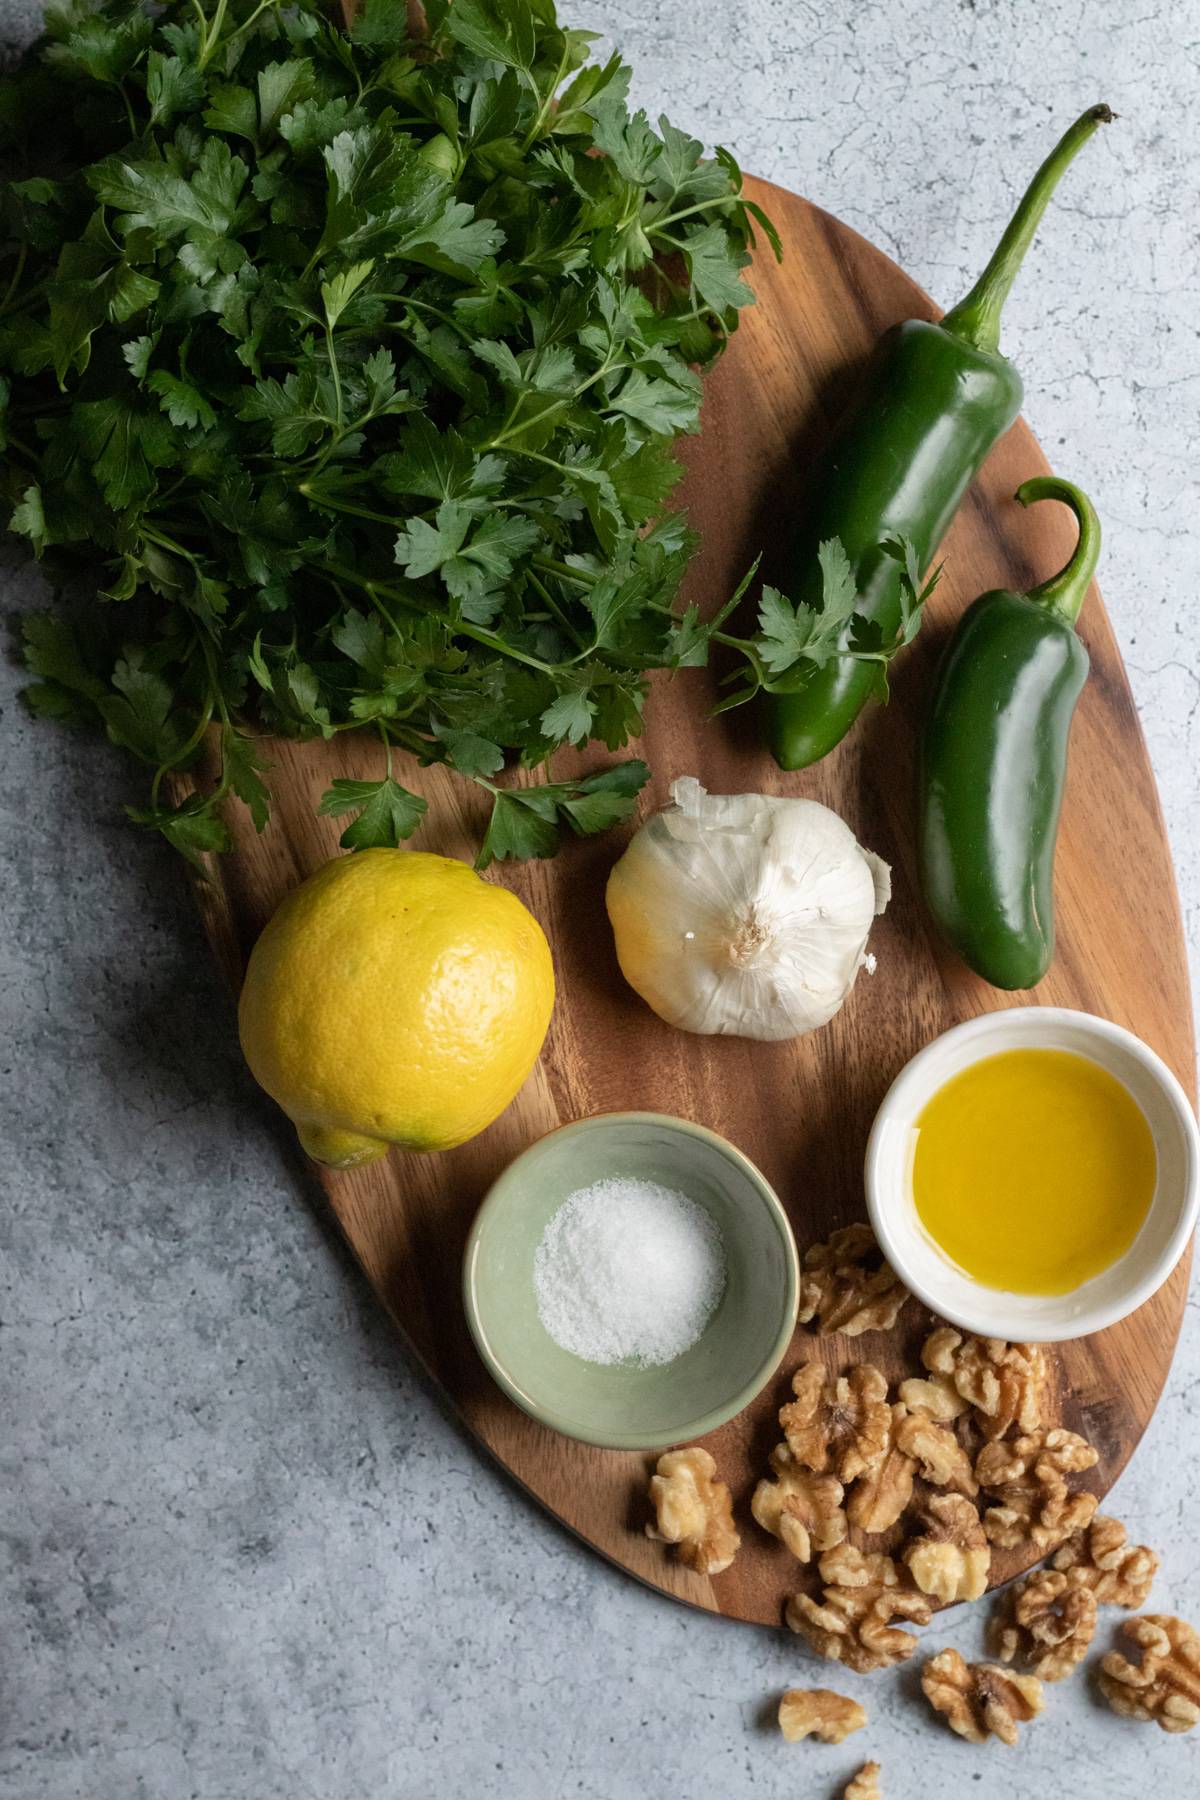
point(977, 318)
point(1064, 593)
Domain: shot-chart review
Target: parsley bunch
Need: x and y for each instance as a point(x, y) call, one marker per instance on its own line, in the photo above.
point(358, 373)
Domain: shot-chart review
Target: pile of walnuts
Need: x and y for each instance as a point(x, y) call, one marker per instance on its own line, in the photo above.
point(965, 1456)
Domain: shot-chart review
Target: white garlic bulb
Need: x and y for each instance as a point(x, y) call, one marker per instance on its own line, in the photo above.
point(744, 914)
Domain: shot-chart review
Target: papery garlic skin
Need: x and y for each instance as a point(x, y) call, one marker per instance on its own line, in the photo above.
point(744, 915)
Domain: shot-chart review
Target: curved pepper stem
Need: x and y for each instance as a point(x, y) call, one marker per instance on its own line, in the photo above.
point(1064, 593)
point(977, 318)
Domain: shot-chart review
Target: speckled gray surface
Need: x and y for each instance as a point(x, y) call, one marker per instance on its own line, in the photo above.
point(245, 1553)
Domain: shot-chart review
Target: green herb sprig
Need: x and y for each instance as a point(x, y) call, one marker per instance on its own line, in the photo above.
point(357, 373)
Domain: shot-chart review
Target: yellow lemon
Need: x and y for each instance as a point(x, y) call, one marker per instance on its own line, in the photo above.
point(395, 998)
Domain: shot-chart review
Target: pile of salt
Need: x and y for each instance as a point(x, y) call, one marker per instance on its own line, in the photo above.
point(628, 1271)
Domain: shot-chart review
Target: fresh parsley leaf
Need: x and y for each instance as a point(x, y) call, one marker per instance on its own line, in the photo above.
point(569, 718)
point(502, 31)
point(387, 813)
point(183, 404)
point(525, 822)
point(193, 828)
point(243, 768)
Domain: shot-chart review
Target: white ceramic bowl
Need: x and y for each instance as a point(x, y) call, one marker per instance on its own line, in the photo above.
point(1107, 1297)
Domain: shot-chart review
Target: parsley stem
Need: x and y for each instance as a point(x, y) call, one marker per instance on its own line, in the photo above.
point(455, 627)
point(686, 212)
point(543, 112)
point(549, 565)
point(336, 374)
point(181, 756)
point(262, 7)
point(15, 278)
point(561, 616)
point(209, 36)
point(512, 425)
point(129, 112)
point(326, 504)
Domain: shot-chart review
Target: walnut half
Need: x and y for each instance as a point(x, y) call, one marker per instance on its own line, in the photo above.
point(880, 1496)
point(1048, 1622)
point(847, 1286)
point(693, 1510)
point(940, 1457)
point(980, 1700)
point(819, 1713)
point(950, 1560)
point(1004, 1383)
point(852, 1623)
point(803, 1510)
point(1027, 1478)
point(1166, 1687)
point(843, 1425)
point(1118, 1573)
point(865, 1785)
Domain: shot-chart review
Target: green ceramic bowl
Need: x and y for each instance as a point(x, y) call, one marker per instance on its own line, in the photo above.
point(621, 1407)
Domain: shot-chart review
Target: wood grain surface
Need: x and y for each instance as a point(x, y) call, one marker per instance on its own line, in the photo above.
point(800, 1110)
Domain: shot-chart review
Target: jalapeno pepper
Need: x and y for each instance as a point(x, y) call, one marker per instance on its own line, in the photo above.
point(994, 761)
point(933, 400)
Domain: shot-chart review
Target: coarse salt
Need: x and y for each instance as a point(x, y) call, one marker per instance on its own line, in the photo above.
point(628, 1271)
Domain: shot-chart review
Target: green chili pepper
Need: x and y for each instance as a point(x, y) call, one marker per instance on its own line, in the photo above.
point(932, 402)
point(994, 760)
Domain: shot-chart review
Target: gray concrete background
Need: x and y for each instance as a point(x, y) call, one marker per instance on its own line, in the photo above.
point(245, 1553)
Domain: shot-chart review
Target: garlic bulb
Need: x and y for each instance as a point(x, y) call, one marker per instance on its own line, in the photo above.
point(744, 914)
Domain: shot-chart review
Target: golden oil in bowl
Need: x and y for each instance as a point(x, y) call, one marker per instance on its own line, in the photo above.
point(1033, 1170)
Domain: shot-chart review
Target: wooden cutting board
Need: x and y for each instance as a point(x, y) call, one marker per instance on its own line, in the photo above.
point(800, 1110)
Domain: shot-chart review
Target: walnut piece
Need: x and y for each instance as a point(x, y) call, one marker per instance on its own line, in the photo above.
point(950, 1560)
point(980, 1700)
point(935, 1395)
point(865, 1785)
point(820, 1713)
point(941, 1458)
point(693, 1510)
point(1005, 1383)
point(803, 1510)
point(842, 1425)
point(879, 1497)
point(847, 1286)
point(1118, 1573)
point(1166, 1687)
point(852, 1621)
point(1047, 1622)
point(1027, 1478)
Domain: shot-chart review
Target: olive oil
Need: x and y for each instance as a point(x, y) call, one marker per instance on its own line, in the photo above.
point(1033, 1170)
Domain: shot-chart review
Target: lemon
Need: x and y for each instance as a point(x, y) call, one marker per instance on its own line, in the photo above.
point(395, 998)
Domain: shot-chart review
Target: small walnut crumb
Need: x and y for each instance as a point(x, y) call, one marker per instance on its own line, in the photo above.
point(1027, 1478)
point(852, 1621)
point(847, 1286)
point(820, 1713)
point(980, 1700)
point(848, 1566)
point(803, 1510)
point(936, 1395)
point(950, 1560)
point(865, 1785)
point(693, 1510)
point(1004, 1383)
point(1047, 1622)
point(1118, 1573)
point(941, 1458)
point(841, 1425)
point(879, 1497)
point(1166, 1687)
